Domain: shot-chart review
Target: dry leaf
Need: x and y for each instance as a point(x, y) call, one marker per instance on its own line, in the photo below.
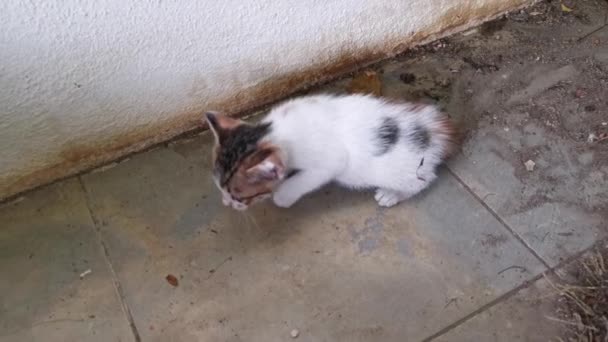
point(530, 165)
point(566, 9)
point(171, 279)
point(366, 82)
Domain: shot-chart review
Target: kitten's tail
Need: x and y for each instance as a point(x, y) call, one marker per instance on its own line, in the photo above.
point(447, 134)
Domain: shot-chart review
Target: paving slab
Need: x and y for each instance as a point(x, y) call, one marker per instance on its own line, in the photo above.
point(530, 166)
point(555, 207)
point(335, 266)
point(528, 316)
point(46, 241)
point(525, 89)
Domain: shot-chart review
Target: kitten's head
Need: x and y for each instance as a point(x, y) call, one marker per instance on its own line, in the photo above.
point(245, 168)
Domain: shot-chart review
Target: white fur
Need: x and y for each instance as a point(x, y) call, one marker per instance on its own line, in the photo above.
point(334, 138)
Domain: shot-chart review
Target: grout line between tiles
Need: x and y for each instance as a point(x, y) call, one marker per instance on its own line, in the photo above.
point(115, 281)
point(499, 219)
point(484, 307)
point(514, 291)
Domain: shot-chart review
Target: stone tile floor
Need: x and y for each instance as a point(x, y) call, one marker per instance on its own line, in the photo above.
point(464, 261)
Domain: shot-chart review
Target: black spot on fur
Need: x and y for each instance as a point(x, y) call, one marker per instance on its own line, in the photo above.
point(292, 173)
point(388, 134)
point(239, 143)
point(420, 137)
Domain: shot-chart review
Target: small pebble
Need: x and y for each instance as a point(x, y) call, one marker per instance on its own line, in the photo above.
point(85, 273)
point(604, 123)
point(295, 333)
point(590, 108)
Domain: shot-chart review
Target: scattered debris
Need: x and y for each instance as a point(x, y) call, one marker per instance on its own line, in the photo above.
point(367, 82)
point(480, 66)
point(590, 108)
point(172, 280)
point(489, 28)
point(104, 167)
point(438, 45)
point(444, 82)
point(514, 267)
point(213, 270)
point(566, 8)
point(15, 201)
point(580, 93)
point(407, 78)
point(582, 303)
point(592, 138)
point(294, 333)
point(530, 165)
point(85, 273)
point(452, 300)
point(470, 32)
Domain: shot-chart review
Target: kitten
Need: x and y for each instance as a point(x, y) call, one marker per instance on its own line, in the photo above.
point(357, 141)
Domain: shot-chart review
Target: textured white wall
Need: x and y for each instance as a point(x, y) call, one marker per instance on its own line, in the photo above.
point(85, 81)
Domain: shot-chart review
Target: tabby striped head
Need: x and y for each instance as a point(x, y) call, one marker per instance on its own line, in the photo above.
point(246, 166)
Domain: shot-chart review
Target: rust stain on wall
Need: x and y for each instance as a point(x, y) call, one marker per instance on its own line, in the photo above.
point(76, 158)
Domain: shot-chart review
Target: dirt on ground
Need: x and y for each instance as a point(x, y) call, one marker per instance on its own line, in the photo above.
point(582, 300)
point(539, 74)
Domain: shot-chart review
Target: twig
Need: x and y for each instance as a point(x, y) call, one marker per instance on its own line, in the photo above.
point(487, 195)
point(452, 300)
point(595, 31)
point(605, 327)
point(576, 324)
point(521, 268)
point(58, 320)
point(212, 271)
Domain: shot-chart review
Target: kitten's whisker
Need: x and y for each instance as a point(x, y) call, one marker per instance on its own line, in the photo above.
point(254, 221)
point(247, 220)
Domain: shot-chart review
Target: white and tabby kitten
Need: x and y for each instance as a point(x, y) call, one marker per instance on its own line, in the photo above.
point(357, 141)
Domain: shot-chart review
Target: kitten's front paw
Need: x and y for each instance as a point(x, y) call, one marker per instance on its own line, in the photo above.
point(387, 198)
point(283, 201)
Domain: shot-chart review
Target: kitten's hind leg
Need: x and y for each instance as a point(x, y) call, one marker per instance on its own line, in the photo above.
point(388, 197)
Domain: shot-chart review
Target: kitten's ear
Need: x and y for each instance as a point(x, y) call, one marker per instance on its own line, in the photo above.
point(269, 168)
point(220, 124)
